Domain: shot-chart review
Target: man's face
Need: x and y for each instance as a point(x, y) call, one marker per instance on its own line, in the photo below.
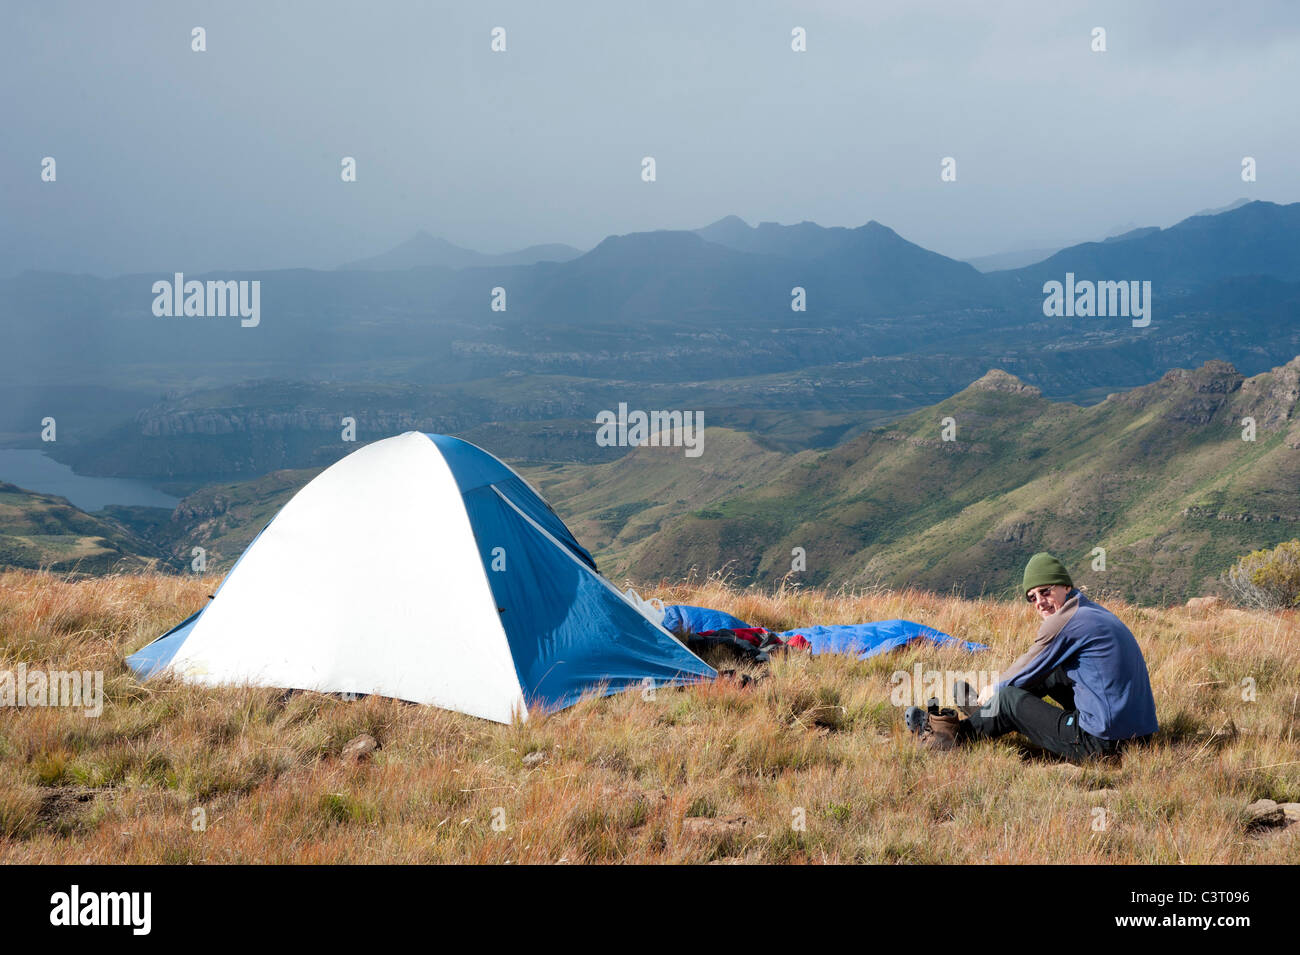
point(1048, 600)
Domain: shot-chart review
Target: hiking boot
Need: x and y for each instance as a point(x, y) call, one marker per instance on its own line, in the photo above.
point(934, 727)
point(944, 730)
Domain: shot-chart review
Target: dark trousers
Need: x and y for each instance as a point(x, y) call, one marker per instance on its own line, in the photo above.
point(1054, 728)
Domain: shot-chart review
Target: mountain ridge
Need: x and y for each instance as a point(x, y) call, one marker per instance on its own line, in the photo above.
point(1159, 476)
point(424, 250)
point(1145, 474)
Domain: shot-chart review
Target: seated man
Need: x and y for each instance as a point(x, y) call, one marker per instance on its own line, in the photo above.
point(1083, 657)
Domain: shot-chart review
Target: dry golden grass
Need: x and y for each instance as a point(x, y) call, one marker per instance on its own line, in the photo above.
point(818, 740)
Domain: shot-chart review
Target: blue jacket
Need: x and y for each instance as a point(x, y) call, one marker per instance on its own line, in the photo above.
point(1112, 690)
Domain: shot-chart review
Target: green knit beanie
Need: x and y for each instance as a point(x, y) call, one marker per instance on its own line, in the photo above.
point(1044, 570)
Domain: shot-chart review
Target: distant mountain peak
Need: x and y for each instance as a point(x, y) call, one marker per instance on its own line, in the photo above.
point(637, 248)
point(1132, 234)
point(425, 250)
point(658, 238)
point(730, 231)
point(728, 222)
point(995, 379)
point(1228, 208)
point(1214, 375)
point(425, 238)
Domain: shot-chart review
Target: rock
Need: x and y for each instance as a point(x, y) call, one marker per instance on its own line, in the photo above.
point(703, 827)
point(1204, 603)
point(1270, 398)
point(998, 380)
point(533, 760)
point(1292, 811)
point(1264, 814)
point(359, 749)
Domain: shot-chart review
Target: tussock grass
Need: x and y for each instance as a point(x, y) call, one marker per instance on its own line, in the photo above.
point(810, 764)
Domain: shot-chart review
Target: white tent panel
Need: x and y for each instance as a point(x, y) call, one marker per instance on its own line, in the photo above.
point(346, 591)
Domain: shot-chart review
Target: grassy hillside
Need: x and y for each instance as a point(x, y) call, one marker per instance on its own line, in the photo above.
point(223, 519)
point(42, 530)
point(710, 773)
point(614, 508)
point(1159, 477)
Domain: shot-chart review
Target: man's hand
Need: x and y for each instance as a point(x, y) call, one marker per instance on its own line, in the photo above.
point(986, 694)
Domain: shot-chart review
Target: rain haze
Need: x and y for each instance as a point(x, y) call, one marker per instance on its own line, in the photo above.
point(171, 159)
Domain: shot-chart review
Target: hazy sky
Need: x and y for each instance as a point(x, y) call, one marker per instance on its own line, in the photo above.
point(172, 160)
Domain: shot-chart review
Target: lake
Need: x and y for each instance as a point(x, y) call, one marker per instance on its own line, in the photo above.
point(34, 471)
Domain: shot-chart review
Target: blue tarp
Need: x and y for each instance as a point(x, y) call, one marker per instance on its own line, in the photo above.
point(868, 639)
point(683, 619)
point(860, 639)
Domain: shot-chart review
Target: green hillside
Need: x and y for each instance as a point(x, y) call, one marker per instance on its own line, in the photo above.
point(45, 531)
point(617, 509)
point(223, 519)
point(1159, 477)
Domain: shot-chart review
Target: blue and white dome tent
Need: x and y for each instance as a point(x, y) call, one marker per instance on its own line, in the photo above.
point(422, 568)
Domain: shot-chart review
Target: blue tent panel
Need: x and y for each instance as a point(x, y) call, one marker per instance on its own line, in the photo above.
point(150, 659)
point(473, 468)
point(569, 630)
